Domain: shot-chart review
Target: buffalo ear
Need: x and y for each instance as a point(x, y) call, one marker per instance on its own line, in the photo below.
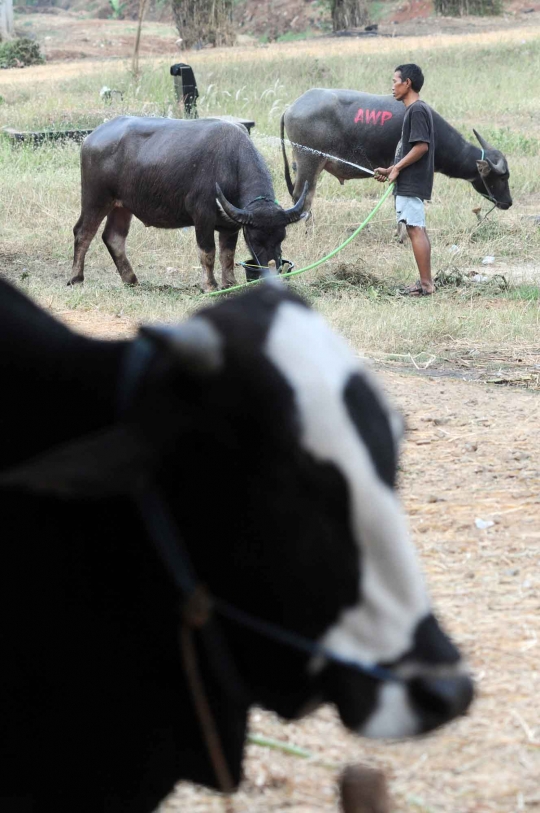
point(195, 343)
point(108, 463)
point(483, 167)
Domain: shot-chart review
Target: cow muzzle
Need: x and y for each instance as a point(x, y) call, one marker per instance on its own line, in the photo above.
point(441, 699)
point(417, 706)
point(400, 708)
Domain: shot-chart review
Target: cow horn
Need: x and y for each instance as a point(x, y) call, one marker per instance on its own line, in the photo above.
point(296, 212)
point(482, 141)
point(239, 216)
point(196, 343)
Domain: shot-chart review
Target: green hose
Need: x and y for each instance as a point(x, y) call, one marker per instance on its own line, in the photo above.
point(318, 262)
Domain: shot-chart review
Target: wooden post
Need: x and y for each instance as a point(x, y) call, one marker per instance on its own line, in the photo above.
point(6, 19)
point(143, 5)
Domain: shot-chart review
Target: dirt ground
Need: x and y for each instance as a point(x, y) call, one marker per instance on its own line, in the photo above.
point(71, 35)
point(471, 457)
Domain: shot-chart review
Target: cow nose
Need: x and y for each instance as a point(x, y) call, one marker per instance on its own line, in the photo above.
point(504, 205)
point(443, 698)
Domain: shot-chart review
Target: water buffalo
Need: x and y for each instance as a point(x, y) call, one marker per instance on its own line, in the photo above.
point(172, 173)
point(249, 446)
point(364, 129)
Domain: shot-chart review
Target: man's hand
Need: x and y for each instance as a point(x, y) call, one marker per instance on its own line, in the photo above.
point(393, 174)
point(381, 174)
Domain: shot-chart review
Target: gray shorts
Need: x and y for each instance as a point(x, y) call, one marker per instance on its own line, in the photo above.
point(410, 211)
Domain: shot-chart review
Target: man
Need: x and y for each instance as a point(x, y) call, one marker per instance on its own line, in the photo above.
point(413, 170)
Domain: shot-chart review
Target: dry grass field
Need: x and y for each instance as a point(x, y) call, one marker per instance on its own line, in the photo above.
point(472, 449)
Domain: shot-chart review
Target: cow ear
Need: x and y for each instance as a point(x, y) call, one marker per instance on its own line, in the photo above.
point(108, 463)
point(196, 343)
point(483, 167)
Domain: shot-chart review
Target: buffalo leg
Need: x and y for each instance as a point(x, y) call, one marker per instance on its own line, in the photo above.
point(114, 236)
point(84, 232)
point(227, 247)
point(309, 169)
point(207, 256)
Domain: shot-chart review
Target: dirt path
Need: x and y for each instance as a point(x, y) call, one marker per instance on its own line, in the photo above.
point(472, 452)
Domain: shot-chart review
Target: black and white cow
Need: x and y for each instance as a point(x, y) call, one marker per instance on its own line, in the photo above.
point(275, 454)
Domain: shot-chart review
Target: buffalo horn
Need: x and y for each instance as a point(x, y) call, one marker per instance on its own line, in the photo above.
point(482, 141)
point(195, 343)
point(239, 216)
point(497, 166)
point(295, 213)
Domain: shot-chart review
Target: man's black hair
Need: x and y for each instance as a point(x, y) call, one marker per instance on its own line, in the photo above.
point(412, 72)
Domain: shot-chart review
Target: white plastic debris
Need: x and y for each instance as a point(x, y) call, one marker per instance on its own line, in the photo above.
point(453, 249)
point(488, 260)
point(483, 524)
point(479, 278)
point(105, 91)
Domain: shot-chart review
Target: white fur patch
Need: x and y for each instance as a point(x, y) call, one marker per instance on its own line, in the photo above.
point(393, 716)
point(318, 364)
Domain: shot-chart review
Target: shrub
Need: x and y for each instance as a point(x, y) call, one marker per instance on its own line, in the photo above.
point(19, 53)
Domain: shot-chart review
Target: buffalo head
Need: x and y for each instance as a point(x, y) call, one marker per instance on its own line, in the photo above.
point(493, 175)
point(264, 223)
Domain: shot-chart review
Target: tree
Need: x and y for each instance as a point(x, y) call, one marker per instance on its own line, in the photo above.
point(349, 14)
point(204, 22)
point(6, 19)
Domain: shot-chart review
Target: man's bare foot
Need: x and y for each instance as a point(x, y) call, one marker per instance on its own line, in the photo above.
point(418, 289)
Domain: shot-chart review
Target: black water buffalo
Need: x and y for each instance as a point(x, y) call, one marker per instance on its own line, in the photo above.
point(251, 438)
point(173, 173)
point(364, 129)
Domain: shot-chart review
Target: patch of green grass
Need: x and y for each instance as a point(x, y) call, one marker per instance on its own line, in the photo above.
point(528, 293)
point(296, 36)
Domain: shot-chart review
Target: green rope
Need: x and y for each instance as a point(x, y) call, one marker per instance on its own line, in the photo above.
point(318, 262)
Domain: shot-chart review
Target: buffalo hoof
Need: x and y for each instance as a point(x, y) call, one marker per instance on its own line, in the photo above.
point(132, 281)
point(76, 281)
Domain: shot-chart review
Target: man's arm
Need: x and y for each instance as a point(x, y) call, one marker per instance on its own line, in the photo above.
point(391, 173)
